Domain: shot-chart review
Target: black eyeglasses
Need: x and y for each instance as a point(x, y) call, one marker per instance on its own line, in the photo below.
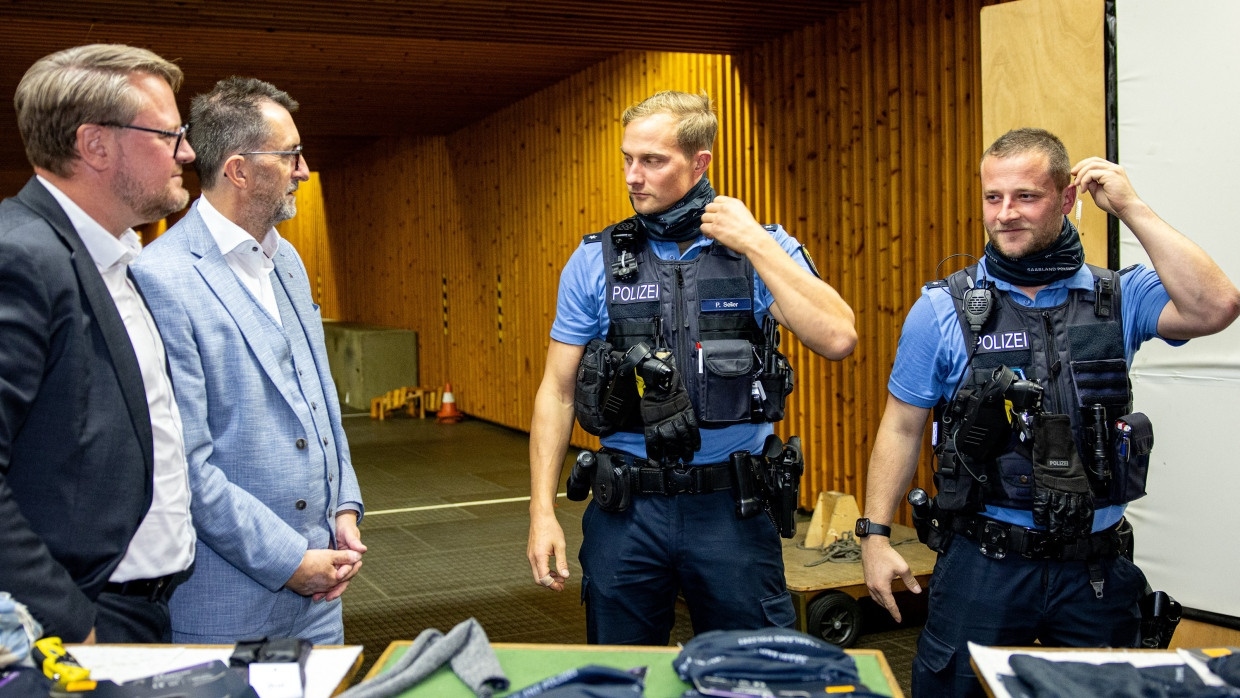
point(178, 134)
point(295, 152)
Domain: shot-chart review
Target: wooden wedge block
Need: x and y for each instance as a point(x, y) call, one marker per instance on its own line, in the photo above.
point(835, 513)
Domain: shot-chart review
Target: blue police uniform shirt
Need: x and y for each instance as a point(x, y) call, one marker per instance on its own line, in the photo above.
point(931, 357)
point(581, 315)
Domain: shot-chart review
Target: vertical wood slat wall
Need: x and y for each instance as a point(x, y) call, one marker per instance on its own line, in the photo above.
point(859, 134)
point(307, 231)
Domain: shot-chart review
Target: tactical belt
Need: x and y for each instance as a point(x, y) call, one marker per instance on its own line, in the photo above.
point(998, 539)
point(648, 477)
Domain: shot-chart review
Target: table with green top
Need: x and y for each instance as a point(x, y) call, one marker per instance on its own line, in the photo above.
point(527, 664)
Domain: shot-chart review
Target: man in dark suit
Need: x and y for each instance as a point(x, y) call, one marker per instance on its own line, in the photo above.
point(94, 497)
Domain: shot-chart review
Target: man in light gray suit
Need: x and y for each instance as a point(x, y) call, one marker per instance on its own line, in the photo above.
point(275, 500)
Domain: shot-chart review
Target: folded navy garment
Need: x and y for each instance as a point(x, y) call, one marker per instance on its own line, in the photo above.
point(591, 681)
point(779, 661)
point(1226, 668)
point(770, 654)
point(1050, 679)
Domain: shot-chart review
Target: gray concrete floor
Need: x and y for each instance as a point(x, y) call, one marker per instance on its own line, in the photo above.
point(444, 546)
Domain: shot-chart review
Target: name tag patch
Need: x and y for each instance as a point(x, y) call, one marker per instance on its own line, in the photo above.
point(1003, 341)
point(715, 305)
point(621, 293)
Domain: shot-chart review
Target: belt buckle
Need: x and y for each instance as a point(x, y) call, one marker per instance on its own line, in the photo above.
point(157, 588)
point(678, 480)
point(993, 538)
point(1032, 544)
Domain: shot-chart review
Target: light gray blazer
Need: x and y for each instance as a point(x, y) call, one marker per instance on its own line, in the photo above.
point(243, 419)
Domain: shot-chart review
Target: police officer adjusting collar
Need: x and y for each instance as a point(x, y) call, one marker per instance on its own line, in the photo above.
point(683, 220)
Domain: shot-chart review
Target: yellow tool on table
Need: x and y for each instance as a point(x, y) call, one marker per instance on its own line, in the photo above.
point(57, 664)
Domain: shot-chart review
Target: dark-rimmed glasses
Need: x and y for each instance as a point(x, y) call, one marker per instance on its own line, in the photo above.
point(295, 152)
point(178, 134)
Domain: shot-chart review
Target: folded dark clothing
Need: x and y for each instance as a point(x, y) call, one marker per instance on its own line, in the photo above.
point(769, 654)
point(1051, 679)
point(591, 681)
point(1226, 668)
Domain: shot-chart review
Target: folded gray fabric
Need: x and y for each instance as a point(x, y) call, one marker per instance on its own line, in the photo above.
point(466, 647)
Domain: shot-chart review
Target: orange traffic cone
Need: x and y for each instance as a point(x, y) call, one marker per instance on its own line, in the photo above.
point(448, 414)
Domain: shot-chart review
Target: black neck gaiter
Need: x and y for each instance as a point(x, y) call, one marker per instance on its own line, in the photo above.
point(1059, 261)
point(682, 221)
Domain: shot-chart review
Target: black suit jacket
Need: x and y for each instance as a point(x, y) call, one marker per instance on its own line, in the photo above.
point(75, 434)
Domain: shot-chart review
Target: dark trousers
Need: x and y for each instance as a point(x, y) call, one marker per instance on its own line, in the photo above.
point(1015, 601)
point(132, 619)
point(634, 563)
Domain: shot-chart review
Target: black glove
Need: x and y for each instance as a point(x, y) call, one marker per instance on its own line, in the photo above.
point(671, 429)
point(1062, 501)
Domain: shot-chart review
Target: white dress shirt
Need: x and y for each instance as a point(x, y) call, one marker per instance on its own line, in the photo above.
point(164, 541)
point(249, 260)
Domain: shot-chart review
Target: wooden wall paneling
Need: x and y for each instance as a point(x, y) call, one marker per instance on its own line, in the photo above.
point(386, 220)
point(1028, 83)
point(865, 121)
point(307, 233)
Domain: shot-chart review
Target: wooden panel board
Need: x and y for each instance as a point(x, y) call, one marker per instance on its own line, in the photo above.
point(1043, 66)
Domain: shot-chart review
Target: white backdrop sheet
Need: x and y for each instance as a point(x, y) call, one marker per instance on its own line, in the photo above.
point(1179, 113)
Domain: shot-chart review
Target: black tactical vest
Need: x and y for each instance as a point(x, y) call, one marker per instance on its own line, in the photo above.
point(1075, 351)
point(702, 310)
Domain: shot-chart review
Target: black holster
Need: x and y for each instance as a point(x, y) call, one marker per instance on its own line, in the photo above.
point(771, 480)
point(612, 483)
point(1160, 614)
point(932, 524)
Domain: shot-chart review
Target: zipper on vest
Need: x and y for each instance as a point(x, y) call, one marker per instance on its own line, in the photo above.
point(1054, 364)
point(681, 340)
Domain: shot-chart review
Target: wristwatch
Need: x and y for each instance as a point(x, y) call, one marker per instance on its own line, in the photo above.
point(865, 527)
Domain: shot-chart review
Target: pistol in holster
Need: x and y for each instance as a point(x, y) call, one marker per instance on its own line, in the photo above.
point(770, 482)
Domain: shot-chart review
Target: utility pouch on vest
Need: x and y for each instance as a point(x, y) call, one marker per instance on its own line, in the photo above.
point(1104, 381)
point(977, 421)
point(1132, 439)
point(1062, 500)
point(612, 484)
point(775, 381)
point(728, 382)
point(772, 394)
point(974, 429)
point(956, 489)
point(603, 399)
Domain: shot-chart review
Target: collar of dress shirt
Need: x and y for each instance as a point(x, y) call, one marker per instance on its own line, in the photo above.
point(104, 248)
point(228, 235)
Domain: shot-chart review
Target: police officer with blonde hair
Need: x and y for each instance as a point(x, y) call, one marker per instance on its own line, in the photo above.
point(655, 347)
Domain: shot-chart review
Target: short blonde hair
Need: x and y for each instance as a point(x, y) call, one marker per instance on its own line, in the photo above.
point(696, 124)
point(80, 85)
point(1035, 140)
